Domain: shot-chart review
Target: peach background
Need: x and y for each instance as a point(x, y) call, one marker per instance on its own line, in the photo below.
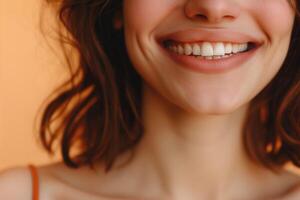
point(29, 70)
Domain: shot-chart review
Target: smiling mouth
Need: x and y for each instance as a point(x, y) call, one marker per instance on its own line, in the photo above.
point(208, 50)
point(209, 57)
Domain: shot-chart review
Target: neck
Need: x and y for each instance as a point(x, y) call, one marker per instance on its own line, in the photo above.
point(185, 152)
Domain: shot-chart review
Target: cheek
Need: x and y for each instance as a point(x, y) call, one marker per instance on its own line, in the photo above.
point(141, 18)
point(143, 15)
point(276, 17)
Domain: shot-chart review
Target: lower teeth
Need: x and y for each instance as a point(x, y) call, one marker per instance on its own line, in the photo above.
point(214, 57)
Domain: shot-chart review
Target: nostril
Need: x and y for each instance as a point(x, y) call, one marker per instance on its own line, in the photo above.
point(201, 16)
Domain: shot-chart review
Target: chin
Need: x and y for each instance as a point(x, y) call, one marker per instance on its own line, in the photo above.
point(212, 108)
point(211, 111)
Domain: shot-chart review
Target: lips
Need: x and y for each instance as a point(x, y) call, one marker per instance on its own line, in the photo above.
point(210, 65)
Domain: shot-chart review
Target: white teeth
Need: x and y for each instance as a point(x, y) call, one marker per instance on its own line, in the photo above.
point(235, 48)
point(243, 47)
point(228, 48)
point(188, 50)
point(207, 49)
point(196, 50)
point(219, 49)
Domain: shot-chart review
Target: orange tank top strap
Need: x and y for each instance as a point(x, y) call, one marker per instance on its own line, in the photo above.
point(35, 182)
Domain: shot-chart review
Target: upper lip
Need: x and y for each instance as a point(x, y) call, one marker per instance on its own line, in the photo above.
point(216, 35)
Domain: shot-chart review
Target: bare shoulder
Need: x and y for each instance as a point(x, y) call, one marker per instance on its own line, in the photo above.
point(293, 191)
point(15, 184)
point(292, 194)
point(57, 181)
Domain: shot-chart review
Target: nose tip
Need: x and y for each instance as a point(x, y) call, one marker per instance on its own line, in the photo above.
point(212, 11)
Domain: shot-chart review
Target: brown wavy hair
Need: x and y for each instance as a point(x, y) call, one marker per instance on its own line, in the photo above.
point(97, 111)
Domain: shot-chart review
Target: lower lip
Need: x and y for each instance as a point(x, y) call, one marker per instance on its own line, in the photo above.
point(212, 66)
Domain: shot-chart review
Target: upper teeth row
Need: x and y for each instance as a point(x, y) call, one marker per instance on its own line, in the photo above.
point(208, 49)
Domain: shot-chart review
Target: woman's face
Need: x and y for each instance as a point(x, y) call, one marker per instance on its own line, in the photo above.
point(191, 51)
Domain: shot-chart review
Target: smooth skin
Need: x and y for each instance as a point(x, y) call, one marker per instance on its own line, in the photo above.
point(192, 147)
